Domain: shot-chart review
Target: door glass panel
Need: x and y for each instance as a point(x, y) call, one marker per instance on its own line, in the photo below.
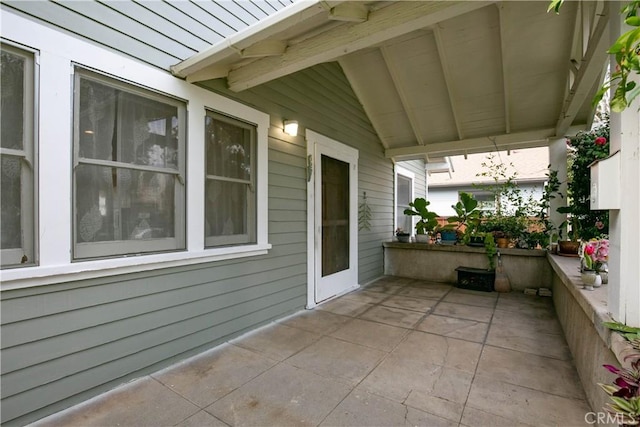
point(335, 215)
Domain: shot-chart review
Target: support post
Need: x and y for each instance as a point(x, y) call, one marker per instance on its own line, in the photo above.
point(624, 226)
point(558, 161)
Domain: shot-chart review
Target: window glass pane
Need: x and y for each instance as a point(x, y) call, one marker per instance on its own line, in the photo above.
point(122, 204)
point(403, 194)
point(404, 191)
point(228, 149)
point(12, 95)
point(18, 165)
point(230, 200)
point(120, 126)
point(11, 221)
point(227, 209)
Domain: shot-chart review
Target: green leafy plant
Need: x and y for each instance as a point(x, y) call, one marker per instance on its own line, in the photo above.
point(511, 227)
point(624, 393)
point(428, 220)
point(630, 333)
point(626, 50)
point(584, 149)
point(467, 214)
point(550, 191)
point(490, 250)
point(470, 216)
point(625, 390)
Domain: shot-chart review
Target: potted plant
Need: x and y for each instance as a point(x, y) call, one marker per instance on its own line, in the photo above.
point(594, 255)
point(571, 245)
point(428, 220)
point(447, 235)
point(505, 228)
point(403, 236)
point(467, 215)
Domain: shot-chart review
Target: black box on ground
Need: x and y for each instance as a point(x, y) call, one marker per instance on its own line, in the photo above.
point(476, 279)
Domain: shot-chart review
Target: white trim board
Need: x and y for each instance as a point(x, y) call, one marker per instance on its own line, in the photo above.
point(58, 54)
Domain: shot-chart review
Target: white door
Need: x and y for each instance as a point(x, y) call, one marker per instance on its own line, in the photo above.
point(332, 207)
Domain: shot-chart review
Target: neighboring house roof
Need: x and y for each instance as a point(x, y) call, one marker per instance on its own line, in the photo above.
point(531, 165)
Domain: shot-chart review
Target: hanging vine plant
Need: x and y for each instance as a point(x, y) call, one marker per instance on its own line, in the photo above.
point(364, 214)
point(584, 149)
point(626, 51)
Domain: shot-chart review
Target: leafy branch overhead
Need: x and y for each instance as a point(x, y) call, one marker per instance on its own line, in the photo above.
point(626, 51)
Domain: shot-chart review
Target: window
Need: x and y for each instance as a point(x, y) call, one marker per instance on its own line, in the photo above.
point(230, 195)
point(129, 162)
point(17, 223)
point(486, 200)
point(404, 196)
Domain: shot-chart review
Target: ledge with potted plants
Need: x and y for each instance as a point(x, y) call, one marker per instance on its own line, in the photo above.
point(438, 262)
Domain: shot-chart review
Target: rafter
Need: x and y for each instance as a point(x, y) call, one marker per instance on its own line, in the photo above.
point(399, 85)
point(505, 71)
point(590, 69)
point(383, 24)
point(265, 48)
point(360, 91)
point(442, 55)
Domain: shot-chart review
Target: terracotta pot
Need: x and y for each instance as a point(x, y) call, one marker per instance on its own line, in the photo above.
point(502, 242)
point(568, 247)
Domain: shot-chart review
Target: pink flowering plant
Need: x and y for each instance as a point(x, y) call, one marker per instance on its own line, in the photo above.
point(594, 253)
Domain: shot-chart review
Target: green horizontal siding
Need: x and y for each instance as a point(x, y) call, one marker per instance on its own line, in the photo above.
point(158, 33)
point(66, 342)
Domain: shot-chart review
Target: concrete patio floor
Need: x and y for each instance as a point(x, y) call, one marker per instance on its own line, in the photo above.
point(398, 352)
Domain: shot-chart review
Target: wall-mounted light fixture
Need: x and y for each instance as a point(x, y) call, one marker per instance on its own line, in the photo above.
point(291, 127)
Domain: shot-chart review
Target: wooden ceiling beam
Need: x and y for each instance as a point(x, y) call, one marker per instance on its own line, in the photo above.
point(527, 139)
point(399, 86)
point(589, 71)
point(502, 20)
point(448, 81)
point(383, 24)
point(360, 90)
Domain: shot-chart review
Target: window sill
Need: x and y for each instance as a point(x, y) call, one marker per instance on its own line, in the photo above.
point(47, 275)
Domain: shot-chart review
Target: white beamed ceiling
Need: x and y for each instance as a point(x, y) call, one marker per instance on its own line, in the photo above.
point(444, 78)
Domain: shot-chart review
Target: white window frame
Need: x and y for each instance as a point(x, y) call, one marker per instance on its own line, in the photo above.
point(27, 254)
point(115, 248)
point(250, 236)
point(59, 53)
point(405, 173)
point(487, 206)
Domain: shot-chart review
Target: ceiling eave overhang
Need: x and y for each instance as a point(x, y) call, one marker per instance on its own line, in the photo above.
point(216, 60)
point(224, 59)
point(510, 141)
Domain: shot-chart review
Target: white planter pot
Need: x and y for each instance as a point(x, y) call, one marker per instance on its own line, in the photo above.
point(423, 238)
